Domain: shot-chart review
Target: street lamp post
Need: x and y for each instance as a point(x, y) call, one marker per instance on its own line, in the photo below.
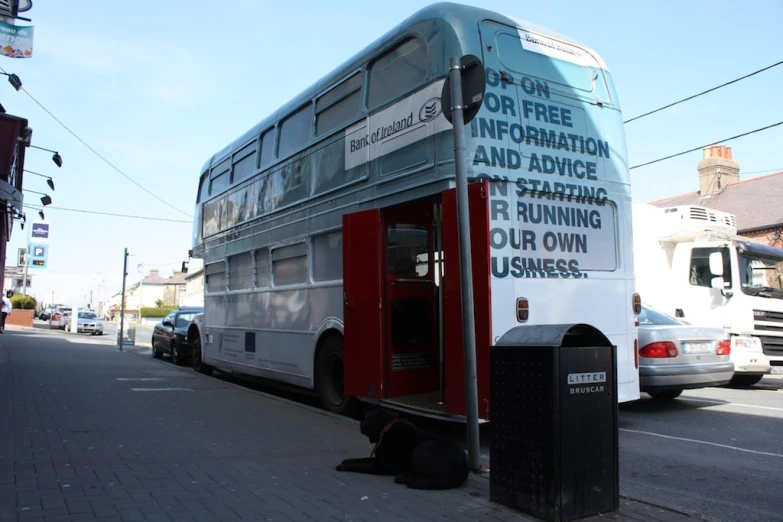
point(122, 297)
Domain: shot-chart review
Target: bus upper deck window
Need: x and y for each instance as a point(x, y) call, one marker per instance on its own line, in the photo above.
point(397, 72)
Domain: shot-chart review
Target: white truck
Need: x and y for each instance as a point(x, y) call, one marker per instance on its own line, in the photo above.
point(691, 264)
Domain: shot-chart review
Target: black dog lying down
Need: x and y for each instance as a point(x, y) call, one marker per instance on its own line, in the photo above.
point(417, 458)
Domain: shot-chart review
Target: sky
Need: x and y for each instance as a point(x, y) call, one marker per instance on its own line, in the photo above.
point(157, 87)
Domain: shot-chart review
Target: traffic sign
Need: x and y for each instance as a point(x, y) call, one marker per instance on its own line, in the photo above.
point(474, 86)
point(39, 255)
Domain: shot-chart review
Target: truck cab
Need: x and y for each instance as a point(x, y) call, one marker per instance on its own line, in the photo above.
point(691, 264)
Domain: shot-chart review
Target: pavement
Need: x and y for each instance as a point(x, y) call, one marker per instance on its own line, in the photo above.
point(90, 433)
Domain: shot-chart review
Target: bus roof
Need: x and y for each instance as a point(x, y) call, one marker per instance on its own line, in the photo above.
point(462, 19)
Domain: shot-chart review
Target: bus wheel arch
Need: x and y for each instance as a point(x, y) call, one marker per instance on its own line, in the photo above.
point(328, 373)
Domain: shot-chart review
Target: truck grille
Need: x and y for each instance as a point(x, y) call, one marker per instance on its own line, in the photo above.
point(772, 345)
point(772, 322)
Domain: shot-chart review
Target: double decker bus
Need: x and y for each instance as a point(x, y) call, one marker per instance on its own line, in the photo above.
point(329, 230)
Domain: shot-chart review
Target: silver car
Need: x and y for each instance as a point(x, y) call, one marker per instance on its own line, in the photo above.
point(674, 356)
point(87, 321)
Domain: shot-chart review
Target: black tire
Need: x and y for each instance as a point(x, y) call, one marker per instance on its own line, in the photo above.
point(199, 365)
point(329, 378)
point(157, 354)
point(176, 358)
point(741, 379)
point(665, 395)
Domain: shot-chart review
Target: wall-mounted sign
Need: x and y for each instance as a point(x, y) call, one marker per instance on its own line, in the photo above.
point(16, 41)
point(40, 231)
point(39, 255)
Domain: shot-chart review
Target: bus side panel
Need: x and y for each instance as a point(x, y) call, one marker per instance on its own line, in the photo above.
point(453, 352)
point(363, 284)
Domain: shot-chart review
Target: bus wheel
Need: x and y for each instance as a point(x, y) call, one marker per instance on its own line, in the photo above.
point(198, 364)
point(329, 378)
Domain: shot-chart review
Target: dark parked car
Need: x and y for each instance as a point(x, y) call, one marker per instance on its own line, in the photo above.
point(170, 335)
point(675, 356)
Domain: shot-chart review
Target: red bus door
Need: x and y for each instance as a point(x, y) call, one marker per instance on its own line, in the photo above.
point(411, 357)
point(362, 304)
point(480, 259)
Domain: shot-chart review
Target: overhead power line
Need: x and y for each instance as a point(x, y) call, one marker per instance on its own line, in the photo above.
point(704, 92)
point(109, 163)
point(108, 214)
point(707, 145)
point(779, 169)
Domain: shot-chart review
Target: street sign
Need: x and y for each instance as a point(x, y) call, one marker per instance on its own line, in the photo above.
point(39, 255)
point(40, 231)
point(474, 85)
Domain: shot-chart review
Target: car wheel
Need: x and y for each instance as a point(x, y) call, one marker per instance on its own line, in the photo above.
point(199, 365)
point(157, 354)
point(745, 380)
point(175, 356)
point(665, 395)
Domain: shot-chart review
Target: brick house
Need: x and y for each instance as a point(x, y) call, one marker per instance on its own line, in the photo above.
point(757, 203)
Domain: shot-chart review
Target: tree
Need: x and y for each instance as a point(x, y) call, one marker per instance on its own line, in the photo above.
point(159, 303)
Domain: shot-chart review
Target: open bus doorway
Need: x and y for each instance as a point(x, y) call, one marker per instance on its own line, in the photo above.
point(412, 286)
point(403, 324)
point(392, 285)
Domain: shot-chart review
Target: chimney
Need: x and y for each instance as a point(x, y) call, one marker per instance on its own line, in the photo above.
point(717, 170)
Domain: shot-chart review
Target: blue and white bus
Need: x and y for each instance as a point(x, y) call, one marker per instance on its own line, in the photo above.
point(329, 235)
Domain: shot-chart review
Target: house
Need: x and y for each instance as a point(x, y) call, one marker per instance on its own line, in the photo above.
point(174, 289)
point(147, 292)
point(194, 285)
point(757, 203)
point(152, 289)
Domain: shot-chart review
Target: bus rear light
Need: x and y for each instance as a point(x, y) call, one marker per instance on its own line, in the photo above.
point(660, 350)
point(637, 304)
point(523, 310)
point(724, 347)
point(636, 353)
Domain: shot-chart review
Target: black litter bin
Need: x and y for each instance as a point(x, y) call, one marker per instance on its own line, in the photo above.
point(553, 394)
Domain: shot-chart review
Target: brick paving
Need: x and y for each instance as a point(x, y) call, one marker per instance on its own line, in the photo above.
point(88, 433)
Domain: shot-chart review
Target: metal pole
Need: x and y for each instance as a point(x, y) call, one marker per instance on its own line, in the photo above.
point(141, 290)
point(122, 296)
point(26, 262)
point(466, 267)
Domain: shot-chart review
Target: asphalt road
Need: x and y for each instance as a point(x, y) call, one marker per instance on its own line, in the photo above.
point(714, 453)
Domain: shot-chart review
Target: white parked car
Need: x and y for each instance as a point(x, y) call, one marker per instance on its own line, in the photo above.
point(87, 321)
